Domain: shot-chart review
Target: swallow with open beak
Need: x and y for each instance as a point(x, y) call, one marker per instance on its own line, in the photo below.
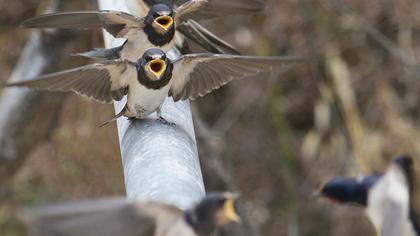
point(118, 216)
point(386, 197)
point(196, 32)
point(153, 77)
point(155, 30)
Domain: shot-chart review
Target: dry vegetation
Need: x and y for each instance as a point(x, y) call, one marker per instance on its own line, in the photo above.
point(347, 110)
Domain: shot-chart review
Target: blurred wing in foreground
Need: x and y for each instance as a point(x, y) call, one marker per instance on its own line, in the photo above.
point(107, 217)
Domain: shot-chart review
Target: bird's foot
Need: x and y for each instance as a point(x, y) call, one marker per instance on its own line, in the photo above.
point(165, 122)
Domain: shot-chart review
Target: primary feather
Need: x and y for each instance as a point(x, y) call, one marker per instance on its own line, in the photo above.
point(103, 82)
point(196, 75)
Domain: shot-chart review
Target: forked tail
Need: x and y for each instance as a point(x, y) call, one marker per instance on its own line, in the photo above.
point(122, 112)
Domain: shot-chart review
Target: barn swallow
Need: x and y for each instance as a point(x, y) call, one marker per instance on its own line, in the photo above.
point(118, 216)
point(153, 77)
point(214, 9)
point(196, 32)
point(156, 29)
point(385, 196)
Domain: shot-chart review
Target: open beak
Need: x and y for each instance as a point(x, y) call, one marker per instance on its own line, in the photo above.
point(164, 22)
point(157, 68)
point(229, 210)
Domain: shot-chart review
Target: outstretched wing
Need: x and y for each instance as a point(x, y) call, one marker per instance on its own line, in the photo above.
point(103, 82)
point(196, 75)
point(104, 217)
point(119, 24)
point(207, 9)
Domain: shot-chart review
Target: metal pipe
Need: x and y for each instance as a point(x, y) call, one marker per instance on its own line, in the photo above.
point(160, 161)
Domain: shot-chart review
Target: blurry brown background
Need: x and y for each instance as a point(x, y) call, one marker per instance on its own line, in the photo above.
point(348, 110)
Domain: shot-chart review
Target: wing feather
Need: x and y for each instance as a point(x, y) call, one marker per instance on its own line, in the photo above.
point(103, 82)
point(196, 75)
point(208, 9)
point(119, 24)
point(206, 39)
point(105, 217)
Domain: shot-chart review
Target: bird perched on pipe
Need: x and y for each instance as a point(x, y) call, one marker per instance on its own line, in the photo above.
point(118, 216)
point(386, 197)
point(153, 77)
point(156, 29)
point(196, 32)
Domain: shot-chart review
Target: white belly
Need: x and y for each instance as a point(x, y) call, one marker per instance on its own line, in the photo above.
point(141, 101)
point(138, 44)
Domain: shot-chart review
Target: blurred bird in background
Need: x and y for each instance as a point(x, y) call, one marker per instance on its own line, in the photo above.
point(385, 196)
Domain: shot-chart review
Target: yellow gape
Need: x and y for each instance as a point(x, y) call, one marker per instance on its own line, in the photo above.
point(164, 21)
point(230, 212)
point(157, 67)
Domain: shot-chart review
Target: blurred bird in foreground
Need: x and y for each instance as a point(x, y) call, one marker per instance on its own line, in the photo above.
point(118, 216)
point(156, 29)
point(386, 197)
point(153, 77)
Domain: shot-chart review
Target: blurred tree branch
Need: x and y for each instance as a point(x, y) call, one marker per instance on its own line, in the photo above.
point(30, 116)
point(341, 80)
point(213, 143)
point(384, 41)
point(217, 178)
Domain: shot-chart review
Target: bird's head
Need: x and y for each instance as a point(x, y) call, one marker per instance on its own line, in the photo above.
point(154, 68)
point(161, 19)
point(346, 190)
point(215, 210)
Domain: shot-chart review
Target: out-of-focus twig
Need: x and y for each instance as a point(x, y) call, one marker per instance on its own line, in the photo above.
point(28, 117)
point(384, 41)
point(213, 144)
point(340, 76)
point(213, 139)
point(240, 103)
point(217, 178)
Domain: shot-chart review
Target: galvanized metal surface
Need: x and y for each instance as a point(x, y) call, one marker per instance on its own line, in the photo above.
point(160, 161)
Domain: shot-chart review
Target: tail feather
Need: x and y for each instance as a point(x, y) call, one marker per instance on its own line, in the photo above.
point(120, 114)
point(101, 53)
point(219, 43)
